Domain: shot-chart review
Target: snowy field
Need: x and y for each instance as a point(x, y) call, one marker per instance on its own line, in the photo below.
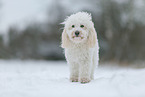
point(50, 79)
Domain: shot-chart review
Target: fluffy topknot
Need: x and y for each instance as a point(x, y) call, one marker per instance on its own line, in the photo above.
point(80, 16)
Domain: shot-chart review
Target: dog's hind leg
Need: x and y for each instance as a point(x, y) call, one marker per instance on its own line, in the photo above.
point(93, 69)
point(94, 64)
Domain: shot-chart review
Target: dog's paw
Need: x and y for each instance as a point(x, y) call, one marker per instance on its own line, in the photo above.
point(85, 80)
point(74, 79)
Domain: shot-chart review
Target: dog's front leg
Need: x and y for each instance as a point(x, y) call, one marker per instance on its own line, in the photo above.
point(85, 71)
point(74, 72)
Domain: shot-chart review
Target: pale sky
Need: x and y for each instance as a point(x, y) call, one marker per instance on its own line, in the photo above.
point(22, 12)
point(19, 11)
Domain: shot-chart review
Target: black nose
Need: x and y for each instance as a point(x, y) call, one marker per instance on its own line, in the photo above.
point(77, 33)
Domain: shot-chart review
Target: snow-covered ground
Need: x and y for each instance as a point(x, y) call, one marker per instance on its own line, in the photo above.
point(51, 79)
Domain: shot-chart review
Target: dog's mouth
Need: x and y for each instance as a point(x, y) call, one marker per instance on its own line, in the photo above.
point(78, 37)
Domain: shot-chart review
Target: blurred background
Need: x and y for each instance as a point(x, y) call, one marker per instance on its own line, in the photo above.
point(31, 29)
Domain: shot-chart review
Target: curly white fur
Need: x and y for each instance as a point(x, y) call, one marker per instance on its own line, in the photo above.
point(82, 51)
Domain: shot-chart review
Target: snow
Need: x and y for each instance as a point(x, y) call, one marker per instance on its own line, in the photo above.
point(51, 79)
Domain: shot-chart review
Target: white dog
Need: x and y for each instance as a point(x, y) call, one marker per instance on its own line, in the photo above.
point(79, 39)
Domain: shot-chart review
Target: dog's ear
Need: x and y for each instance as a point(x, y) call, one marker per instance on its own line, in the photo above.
point(92, 38)
point(65, 40)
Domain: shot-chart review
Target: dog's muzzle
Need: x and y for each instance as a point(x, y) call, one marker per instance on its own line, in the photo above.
point(77, 35)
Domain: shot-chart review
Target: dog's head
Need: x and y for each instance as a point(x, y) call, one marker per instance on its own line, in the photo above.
point(79, 28)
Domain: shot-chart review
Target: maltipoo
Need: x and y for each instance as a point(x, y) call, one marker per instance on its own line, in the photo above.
point(80, 43)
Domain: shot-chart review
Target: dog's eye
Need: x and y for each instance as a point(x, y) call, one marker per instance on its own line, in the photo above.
point(73, 26)
point(82, 26)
